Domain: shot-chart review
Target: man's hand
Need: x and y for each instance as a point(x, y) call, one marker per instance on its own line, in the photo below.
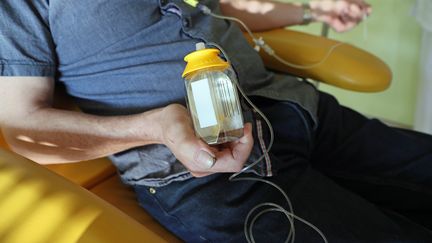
point(341, 15)
point(178, 135)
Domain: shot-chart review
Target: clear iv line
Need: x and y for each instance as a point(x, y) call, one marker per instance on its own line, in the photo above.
point(250, 222)
point(269, 146)
point(260, 43)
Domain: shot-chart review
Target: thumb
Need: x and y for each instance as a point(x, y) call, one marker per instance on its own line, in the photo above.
point(196, 155)
point(204, 160)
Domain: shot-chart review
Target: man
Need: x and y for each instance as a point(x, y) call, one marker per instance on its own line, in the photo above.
point(122, 62)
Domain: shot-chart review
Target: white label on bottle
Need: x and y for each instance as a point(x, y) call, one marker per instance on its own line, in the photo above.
point(203, 103)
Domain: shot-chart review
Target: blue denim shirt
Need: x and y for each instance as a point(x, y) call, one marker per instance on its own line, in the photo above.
point(126, 56)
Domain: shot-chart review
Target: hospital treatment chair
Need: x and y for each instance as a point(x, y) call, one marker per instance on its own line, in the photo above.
point(86, 201)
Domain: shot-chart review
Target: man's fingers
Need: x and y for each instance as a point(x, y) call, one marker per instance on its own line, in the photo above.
point(247, 134)
point(341, 15)
point(226, 163)
point(196, 155)
point(355, 12)
point(244, 145)
point(204, 159)
point(232, 158)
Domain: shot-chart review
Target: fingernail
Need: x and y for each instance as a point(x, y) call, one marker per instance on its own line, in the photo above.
point(205, 159)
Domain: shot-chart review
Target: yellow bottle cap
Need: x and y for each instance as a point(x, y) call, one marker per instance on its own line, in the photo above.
point(204, 58)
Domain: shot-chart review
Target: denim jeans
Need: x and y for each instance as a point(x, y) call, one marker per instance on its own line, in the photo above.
point(354, 178)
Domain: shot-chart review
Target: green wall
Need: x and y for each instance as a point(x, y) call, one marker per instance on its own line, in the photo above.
point(394, 36)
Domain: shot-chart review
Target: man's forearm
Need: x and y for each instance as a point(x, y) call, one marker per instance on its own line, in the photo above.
point(260, 15)
point(56, 136)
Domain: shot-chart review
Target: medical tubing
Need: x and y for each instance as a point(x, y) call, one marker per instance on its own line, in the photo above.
point(250, 222)
point(260, 43)
point(329, 52)
point(257, 110)
point(248, 225)
point(278, 208)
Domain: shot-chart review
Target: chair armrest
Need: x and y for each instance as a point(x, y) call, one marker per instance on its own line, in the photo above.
point(347, 67)
point(37, 205)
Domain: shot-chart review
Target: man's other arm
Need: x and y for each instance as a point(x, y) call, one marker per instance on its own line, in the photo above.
point(262, 15)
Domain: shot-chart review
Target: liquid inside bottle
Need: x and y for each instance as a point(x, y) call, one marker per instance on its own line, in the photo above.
point(214, 105)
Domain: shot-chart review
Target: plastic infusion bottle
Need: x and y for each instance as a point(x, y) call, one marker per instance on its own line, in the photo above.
point(212, 96)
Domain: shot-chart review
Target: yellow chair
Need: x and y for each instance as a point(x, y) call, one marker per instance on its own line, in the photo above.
point(31, 196)
point(37, 205)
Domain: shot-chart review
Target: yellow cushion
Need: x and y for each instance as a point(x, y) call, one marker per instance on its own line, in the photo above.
point(85, 173)
point(36, 205)
point(116, 193)
point(347, 67)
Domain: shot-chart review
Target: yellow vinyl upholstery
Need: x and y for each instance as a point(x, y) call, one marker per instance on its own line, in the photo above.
point(36, 205)
point(122, 197)
point(85, 173)
point(347, 67)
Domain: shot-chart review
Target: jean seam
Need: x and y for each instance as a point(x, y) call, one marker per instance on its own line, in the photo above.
point(173, 216)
